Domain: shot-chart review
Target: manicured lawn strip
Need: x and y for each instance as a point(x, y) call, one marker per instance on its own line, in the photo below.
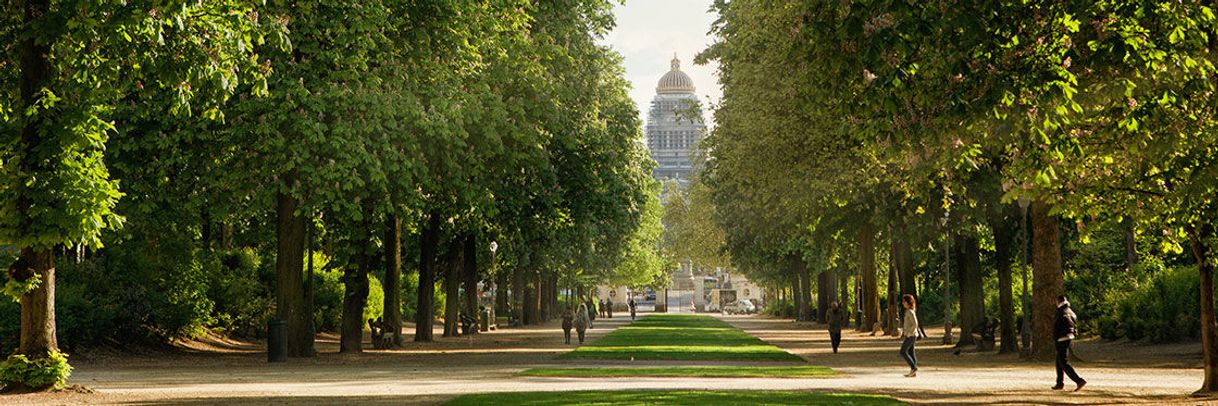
point(693, 398)
point(699, 371)
point(683, 338)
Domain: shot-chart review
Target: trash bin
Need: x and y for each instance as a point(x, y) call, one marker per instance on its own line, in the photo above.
point(277, 341)
point(486, 320)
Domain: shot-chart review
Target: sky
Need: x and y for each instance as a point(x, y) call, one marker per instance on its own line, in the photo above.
point(649, 32)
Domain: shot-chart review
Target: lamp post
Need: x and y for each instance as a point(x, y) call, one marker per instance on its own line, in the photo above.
point(1026, 332)
point(947, 281)
point(492, 316)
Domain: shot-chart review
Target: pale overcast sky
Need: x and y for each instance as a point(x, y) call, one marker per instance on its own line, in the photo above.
point(649, 32)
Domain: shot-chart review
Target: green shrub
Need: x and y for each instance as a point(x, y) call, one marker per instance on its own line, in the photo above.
point(779, 309)
point(42, 373)
point(1164, 309)
point(328, 299)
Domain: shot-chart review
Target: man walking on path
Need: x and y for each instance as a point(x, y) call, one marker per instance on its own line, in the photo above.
point(568, 322)
point(609, 308)
point(1063, 333)
point(836, 318)
point(632, 305)
point(582, 322)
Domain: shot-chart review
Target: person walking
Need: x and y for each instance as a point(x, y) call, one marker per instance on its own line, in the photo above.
point(632, 305)
point(582, 322)
point(836, 318)
point(1063, 332)
point(609, 308)
point(600, 306)
point(568, 321)
point(591, 311)
point(910, 333)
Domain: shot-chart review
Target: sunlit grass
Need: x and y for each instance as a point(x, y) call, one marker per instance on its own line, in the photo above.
point(680, 337)
point(698, 398)
point(694, 371)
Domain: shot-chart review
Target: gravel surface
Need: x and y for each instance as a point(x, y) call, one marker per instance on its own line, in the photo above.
point(431, 373)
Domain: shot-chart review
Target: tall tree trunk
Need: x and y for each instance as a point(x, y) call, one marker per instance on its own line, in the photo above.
point(393, 278)
point(536, 302)
point(796, 302)
point(452, 287)
point(289, 270)
point(518, 293)
point(501, 293)
point(1004, 237)
point(469, 278)
point(904, 259)
point(972, 294)
point(429, 242)
point(1200, 239)
point(1131, 244)
point(1047, 281)
point(530, 299)
point(545, 282)
point(38, 305)
point(805, 289)
point(355, 297)
point(871, 297)
point(843, 281)
point(823, 288)
point(894, 291)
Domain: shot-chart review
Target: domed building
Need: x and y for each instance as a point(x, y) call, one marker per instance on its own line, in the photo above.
point(674, 125)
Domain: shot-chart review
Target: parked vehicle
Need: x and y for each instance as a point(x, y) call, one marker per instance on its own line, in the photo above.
point(741, 307)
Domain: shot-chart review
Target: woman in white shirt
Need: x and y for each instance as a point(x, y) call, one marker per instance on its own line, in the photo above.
point(909, 333)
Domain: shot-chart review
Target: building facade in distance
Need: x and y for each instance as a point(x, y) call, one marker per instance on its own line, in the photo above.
point(674, 126)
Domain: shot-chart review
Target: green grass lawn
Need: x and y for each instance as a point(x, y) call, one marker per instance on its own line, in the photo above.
point(680, 337)
point(696, 371)
point(699, 398)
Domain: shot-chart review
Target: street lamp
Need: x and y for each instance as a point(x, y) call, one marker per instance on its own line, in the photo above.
point(1026, 332)
point(493, 317)
point(947, 280)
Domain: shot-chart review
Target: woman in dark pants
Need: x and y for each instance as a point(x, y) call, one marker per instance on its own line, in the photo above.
point(909, 333)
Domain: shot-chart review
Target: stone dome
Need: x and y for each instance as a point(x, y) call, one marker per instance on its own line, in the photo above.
point(675, 81)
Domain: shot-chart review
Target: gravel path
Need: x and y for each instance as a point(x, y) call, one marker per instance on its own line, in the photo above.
point(431, 373)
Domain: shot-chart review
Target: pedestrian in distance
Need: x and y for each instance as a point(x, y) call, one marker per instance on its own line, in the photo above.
point(632, 306)
point(1063, 333)
point(568, 322)
point(609, 308)
point(582, 322)
point(591, 311)
point(836, 319)
point(910, 333)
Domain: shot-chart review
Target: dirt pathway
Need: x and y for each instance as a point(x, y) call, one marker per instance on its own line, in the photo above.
point(430, 373)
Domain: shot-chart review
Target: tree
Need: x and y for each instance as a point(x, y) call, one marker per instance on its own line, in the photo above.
point(54, 186)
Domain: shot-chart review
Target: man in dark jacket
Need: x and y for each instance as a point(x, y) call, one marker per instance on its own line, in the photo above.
point(836, 318)
point(1063, 333)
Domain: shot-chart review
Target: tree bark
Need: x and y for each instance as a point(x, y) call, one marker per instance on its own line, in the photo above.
point(1004, 237)
point(894, 291)
point(844, 297)
point(38, 305)
point(805, 289)
point(904, 260)
point(470, 279)
point(428, 244)
point(1200, 238)
point(1131, 244)
point(823, 289)
point(355, 297)
point(871, 298)
point(393, 279)
point(518, 295)
point(972, 294)
point(452, 287)
point(289, 270)
point(501, 293)
point(1047, 281)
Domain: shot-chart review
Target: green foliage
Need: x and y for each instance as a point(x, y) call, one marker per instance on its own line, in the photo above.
point(51, 371)
point(1162, 309)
